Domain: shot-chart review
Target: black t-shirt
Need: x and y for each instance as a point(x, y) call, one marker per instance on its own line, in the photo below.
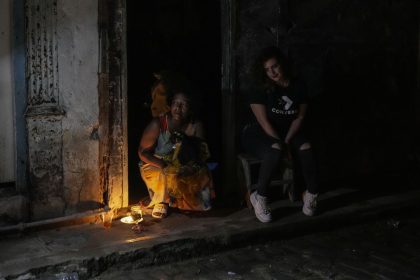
point(282, 104)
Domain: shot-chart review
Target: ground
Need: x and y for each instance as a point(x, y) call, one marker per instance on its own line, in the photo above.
point(381, 249)
point(232, 244)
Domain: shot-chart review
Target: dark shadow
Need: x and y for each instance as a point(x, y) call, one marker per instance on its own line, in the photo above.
point(282, 212)
point(369, 187)
point(214, 212)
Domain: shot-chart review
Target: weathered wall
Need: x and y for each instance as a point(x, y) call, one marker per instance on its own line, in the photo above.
point(7, 143)
point(359, 59)
point(62, 114)
point(77, 28)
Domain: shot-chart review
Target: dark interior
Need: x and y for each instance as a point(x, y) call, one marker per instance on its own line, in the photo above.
point(179, 35)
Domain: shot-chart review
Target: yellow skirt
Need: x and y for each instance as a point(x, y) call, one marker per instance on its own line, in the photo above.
point(186, 192)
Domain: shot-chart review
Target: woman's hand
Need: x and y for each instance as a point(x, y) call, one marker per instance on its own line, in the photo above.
point(296, 124)
point(260, 113)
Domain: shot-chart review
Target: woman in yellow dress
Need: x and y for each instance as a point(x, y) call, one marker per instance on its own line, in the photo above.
point(173, 154)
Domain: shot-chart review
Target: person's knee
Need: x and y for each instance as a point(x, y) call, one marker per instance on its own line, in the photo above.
point(305, 146)
point(276, 146)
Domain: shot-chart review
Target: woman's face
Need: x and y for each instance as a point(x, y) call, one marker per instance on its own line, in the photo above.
point(273, 70)
point(180, 107)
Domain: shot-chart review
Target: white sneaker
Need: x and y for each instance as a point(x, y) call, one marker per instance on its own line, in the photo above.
point(309, 203)
point(260, 207)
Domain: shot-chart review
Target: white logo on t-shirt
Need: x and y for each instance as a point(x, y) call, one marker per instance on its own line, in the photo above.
point(287, 102)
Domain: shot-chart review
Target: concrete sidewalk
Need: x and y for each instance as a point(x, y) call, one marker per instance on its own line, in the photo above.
point(88, 250)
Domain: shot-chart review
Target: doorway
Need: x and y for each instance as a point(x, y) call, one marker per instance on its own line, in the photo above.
point(179, 35)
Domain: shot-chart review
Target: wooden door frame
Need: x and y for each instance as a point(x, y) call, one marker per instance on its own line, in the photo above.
point(113, 98)
point(229, 90)
point(112, 88)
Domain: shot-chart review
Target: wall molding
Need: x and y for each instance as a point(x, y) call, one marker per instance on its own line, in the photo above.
point(44, 113)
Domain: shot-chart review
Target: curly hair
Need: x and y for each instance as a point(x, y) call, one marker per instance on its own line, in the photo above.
point(167, 84)
point(266, 54)
point(173, 81)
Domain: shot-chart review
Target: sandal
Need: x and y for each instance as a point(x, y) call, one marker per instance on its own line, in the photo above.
point(160, 211)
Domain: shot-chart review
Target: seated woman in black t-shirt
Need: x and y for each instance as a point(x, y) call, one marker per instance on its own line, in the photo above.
point(279, 107)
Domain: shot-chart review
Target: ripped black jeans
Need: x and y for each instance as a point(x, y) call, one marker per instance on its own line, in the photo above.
point(257, 143)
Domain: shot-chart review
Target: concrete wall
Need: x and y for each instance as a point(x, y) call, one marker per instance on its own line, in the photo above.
point(77, 29)
point(7, 142)
point(359, 59)
point(63, 107)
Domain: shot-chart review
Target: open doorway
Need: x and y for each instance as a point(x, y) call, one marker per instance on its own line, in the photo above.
point(182, 35)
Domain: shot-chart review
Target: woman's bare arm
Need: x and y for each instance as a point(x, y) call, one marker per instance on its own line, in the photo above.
point(199, 130)
point(260, 113)
point(147, 145)
point(297, 123)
